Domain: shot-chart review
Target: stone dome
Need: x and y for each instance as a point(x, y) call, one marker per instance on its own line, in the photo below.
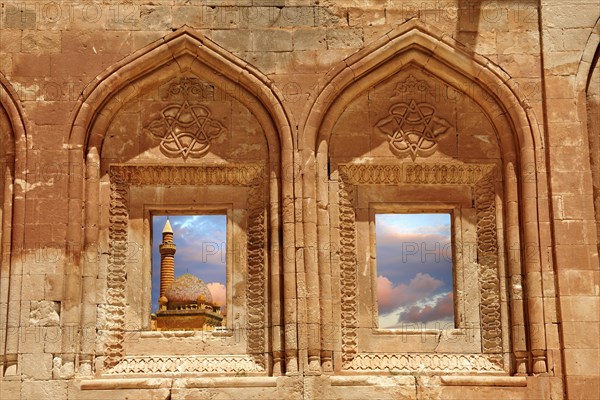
point(186, 289)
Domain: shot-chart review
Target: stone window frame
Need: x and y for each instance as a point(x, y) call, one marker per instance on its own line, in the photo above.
point(152, 210)
point(122, 177)
point(481, 179)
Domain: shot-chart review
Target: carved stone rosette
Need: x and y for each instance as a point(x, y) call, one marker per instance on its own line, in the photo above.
point(480, 178)
point(124, 176)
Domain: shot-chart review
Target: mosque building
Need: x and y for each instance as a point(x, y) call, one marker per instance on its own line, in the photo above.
point(185, 303)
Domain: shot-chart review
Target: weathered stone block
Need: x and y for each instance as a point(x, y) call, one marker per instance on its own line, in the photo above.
point(53, 390)
point(234, 40)
point(10, 390)
point(10, 41)
point(36, 366)
point(309, 39)
point(41, 42)
point(296, 16)
point(19, 16)
point(342, 38)
point(155, 18)
point(272, 40)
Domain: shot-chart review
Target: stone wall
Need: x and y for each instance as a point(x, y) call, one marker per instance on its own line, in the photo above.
point(302, 97)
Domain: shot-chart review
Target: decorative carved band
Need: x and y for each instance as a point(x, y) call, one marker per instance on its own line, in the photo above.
point(136, 175)
point(349, 286)
point(185, 364)
point(428, 362)
point(487, 257)
point(116, 274)
point(430, 174)
point(121, 177)
point(481, 178)
point(256, 271)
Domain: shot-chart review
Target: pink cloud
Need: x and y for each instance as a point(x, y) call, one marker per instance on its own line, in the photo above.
point(391, 297)
point(217, 290)
point(443, 309)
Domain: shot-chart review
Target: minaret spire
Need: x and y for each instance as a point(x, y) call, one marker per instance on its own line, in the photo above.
point(167, 258)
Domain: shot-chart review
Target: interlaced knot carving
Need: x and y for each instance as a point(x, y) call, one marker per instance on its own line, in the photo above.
point(412, 125)
point(185, 129)
point(413, 128)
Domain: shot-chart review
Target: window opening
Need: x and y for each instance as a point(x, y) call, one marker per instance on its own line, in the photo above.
point(414, 271)
point(189, 272)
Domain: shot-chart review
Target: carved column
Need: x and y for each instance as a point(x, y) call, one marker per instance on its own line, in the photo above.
point(311, 265)
point(533, 266)
point(72, 265)
point(90, 262)
point(324, 253)
point(11, 266)
point(290, 302)
point(517, 311)
point(275, 273)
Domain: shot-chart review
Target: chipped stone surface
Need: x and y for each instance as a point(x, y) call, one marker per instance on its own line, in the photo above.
point(44, 313)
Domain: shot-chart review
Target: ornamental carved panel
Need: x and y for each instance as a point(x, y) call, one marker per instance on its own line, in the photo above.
point(413, 127)
point(184, 127)
point(480, 179)
point(122, 178)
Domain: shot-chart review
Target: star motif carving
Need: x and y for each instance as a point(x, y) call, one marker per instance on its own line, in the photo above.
point(413, 128)
point(185, 130)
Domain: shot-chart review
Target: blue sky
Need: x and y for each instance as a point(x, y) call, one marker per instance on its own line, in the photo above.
point(414, 270)
point(201, 251)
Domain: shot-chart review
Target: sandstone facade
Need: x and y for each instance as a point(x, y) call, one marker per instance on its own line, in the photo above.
point(302, 108)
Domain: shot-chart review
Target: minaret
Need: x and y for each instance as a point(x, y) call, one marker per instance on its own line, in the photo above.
point(167, 259)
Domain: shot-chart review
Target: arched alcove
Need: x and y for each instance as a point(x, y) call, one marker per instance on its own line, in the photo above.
point(472, 154)
point(12, 217)
point(131, 137)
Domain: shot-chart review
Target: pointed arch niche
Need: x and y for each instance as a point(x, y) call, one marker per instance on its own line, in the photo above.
point(12, 202)
point(477, 163)
point(133, 166)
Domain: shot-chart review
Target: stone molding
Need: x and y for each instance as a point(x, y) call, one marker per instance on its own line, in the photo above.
point(134, 365)
point(420, 174)
point(427, 362)
point(13, 166)
point(123, 176)
point(480, 178)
